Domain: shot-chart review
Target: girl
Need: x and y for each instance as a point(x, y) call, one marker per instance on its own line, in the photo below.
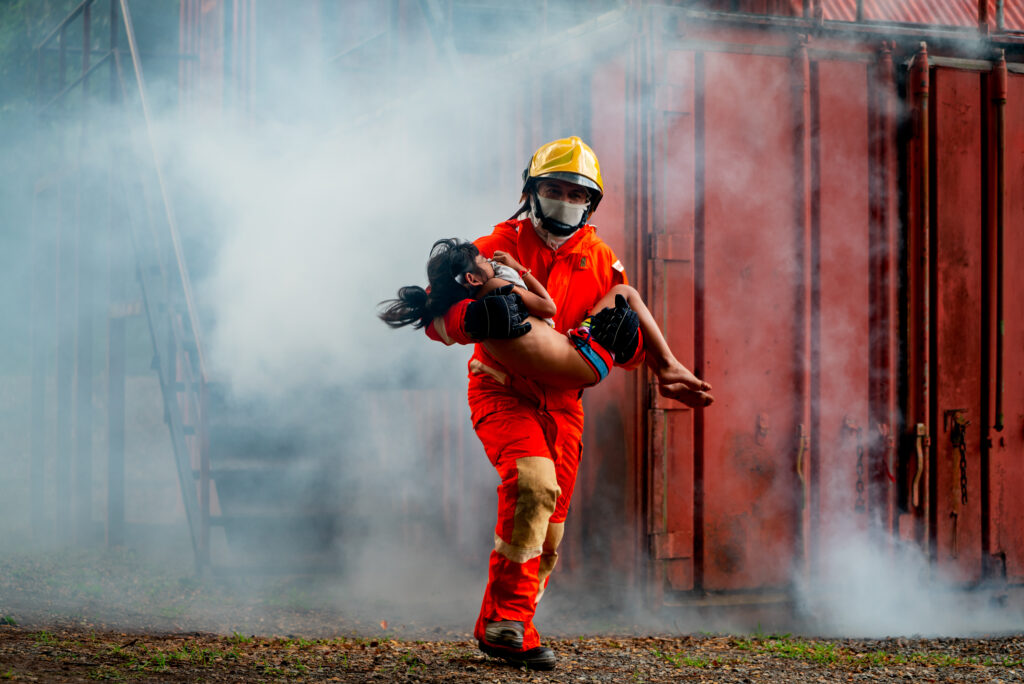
point(457, 270)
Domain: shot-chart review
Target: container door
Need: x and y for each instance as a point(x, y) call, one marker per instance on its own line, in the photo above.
point(751, 292)
point(787, 256)
point(841, 462)
point(603, 527)
point(854, 303)
point(1005, 431)
point(957, 299)
point(671, 285)
point(945, 318)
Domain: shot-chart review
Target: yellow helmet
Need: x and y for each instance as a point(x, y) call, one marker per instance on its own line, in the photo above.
point(569, 159)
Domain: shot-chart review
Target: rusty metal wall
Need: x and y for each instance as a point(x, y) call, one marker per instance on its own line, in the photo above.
point(670, 210)
point(804, 326)
point(808, 224)
point(939, 12)
point(964, 277)
point(1006, 467)
point(605, 531)
point(790, 8)
point(960, 366)
point(944, 12)
point(958, 13)
point(955, 303)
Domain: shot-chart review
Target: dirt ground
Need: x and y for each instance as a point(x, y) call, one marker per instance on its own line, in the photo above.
point(77, 654)
point(92, 616)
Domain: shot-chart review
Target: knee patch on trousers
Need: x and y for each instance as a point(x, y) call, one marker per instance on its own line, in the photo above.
point(549, 556)
point(537, 495)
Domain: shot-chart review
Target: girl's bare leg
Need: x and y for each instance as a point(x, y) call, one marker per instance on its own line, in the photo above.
point(544, 355)
point(675, 380)
point(549, 357)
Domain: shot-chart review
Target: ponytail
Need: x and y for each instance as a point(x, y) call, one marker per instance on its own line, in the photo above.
point(410, 308)
point(449, 259)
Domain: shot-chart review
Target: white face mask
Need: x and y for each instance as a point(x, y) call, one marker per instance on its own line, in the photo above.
point(563, 212)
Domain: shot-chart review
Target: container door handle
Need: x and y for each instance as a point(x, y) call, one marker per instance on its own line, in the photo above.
point(922, 443)
point(802, 441)
point(890, 443)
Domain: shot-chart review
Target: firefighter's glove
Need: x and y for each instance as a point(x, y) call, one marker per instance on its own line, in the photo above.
point(617, 330)
point(500, 315)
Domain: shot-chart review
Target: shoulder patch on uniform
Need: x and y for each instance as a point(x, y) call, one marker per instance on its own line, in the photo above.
point(619, 267)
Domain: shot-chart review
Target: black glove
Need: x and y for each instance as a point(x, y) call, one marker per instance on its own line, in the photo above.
point(500, 315)
point(617, 330)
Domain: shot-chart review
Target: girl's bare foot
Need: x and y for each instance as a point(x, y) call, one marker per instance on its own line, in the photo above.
point(676, 373)
point(691, 397)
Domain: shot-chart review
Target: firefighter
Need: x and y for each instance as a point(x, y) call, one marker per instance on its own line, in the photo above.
point(532, 433)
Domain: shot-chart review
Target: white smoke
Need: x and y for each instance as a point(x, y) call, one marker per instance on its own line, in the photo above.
point(870, 587)
point(302, 214)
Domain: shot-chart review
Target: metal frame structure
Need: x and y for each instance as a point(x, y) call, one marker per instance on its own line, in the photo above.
point(135, 173)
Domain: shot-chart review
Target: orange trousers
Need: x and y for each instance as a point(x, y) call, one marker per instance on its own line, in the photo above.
point(535, 445)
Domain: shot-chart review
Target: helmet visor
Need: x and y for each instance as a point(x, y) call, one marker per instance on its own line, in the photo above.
point(570, 177)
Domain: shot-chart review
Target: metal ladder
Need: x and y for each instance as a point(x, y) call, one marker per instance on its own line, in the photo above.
point(161, 272)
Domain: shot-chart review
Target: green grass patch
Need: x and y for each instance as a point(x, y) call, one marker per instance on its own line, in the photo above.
point(298, 642)
point(146, 659)
point(196, 655)
point(809, 651)
point(158, 663)
point(107, 673)
point(44, 637)
point(830, 654)
point(679, 660)
point(456, 653)
point(270, 670)
point(412, 662)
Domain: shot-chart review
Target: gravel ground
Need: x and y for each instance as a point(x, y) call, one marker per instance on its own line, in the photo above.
point(77, 655)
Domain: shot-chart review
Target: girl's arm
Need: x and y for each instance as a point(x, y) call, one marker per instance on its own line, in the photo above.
point(537, 300)
point(541, 307)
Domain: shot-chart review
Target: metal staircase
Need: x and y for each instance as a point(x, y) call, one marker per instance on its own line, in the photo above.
point(267, 486)
point(136, 180)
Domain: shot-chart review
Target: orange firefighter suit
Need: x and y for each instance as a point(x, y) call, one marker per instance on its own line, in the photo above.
point(532, 433)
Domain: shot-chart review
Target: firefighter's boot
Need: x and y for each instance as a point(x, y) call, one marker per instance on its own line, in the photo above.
point(537, 658)
point(506, 633)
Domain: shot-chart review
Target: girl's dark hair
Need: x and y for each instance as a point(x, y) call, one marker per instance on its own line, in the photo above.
point(449, 259)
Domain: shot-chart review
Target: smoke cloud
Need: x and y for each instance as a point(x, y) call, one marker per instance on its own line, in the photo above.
point(871, 588)
point(301, 207)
